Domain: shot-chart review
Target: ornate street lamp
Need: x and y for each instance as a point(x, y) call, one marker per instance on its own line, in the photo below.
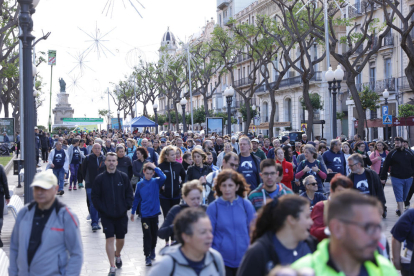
point(334, 80)
point(155, 106)
point(228, 93)
point(183, 103)
point(386, 95)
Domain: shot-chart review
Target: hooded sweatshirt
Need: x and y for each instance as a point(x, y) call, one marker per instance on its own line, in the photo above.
point(231, 224)
point(173, 171)
point(335, 161)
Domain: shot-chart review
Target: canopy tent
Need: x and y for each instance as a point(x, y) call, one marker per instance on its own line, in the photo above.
point(141, 122)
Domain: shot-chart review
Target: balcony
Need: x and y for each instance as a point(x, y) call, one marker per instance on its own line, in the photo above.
point(291, 81)
point(221, 4)
point(389, 40)
point(367, 7)
point(242, 57)
point(354, 11)
point(242, 82)
point(403, 84)
point(378, 86)
point(227, 22)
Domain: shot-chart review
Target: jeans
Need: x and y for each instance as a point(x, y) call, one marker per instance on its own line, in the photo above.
point(92, 211)
point(74, 168)
point(401, 188)
point(60, 174)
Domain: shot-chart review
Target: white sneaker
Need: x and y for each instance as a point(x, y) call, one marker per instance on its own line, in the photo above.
point(88, 217)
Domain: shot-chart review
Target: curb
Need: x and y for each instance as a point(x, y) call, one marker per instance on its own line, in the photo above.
point(9, 165)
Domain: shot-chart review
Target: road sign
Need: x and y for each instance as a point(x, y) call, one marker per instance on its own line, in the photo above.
point(387, 120)
point(52, 57)
point(385, 110)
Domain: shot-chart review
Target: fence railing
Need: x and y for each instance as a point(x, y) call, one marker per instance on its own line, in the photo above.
point(378, 86)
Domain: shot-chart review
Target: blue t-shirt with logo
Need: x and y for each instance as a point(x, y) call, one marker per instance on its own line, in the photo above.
point(305, 163)
point(249, 170)
point(76, 156)
point(361, 183)
point(59, 159)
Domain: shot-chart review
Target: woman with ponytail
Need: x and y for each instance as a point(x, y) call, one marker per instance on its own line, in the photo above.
point(280, 236)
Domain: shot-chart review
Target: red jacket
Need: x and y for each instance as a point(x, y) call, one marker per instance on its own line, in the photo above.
point(266, 151)
point(287, 173)
point(318, 227)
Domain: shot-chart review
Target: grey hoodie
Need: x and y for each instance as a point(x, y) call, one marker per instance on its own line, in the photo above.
point(173, 262)
point(60, 252)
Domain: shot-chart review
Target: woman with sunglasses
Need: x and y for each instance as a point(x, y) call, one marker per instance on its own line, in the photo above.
point(311, 186)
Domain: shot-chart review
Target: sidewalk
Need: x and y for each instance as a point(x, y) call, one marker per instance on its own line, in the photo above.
point(95, 259)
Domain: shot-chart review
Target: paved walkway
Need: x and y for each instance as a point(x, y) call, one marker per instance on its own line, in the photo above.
point(95, 259)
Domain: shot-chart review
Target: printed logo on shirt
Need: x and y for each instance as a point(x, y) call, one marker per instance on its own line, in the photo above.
point(286, 170)
point(337, 160)
point(58, 155)
point(247, 165)
point(362, 186)
point(120, 184)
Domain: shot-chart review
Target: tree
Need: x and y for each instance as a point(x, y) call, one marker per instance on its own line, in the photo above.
point(316, 102)
point(405, 111)
point(199, 115)
point(369, 100)
point(243, 111)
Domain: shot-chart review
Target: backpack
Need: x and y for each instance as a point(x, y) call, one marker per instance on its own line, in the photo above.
point(174, 263)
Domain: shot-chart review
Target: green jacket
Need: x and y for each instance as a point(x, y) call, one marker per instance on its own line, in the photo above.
point(319, 259)
point(259, 153)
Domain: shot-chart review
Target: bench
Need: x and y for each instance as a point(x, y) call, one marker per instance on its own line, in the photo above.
point(15, 205)
point(4, 263)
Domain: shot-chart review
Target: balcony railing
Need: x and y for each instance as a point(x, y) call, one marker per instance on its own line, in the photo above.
point(354, 11)
point(366, 6)
point(242, 82)
point(242, 57)
point(403, 83)
point(378, 86)
point(222, 3)
point(290, 81)
point(389, 40)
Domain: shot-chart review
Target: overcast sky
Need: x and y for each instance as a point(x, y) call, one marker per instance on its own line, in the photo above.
point(64, 18)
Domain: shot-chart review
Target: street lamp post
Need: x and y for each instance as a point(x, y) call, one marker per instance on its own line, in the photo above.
point(386, 95)
point(228, 93)
point(155, 106)
point(27, 8)
point(334, 80)
point(183, 103)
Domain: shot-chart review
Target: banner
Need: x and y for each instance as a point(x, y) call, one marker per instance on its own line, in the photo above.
point(215, 125)
point(52, 57)
point(82, 121)
point(7, 125)
point(115, 123)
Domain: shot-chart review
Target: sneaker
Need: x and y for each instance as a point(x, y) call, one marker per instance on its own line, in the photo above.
point(95, 228)
point(99, 227)
point(148, 261)
point(74, 187)
point(60, 192)
point(152, 255)
point(80, 185)
point(112, 271)
point(70, 188)
point(118, 261)
point(398, 213)
point(88, 217)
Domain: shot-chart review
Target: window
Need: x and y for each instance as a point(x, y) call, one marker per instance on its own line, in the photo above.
point(372, 75)
point(388, 71)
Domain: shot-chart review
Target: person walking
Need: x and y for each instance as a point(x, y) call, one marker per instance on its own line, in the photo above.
point(288, 175)
point(124, 162)
point(355, 225)
point(147, 195)
point(378, 156)
point(138, 166)
point(230, 215)
point(112, 196)
point(401, 162)
point(311, 186)
point(44, 142)
point(403, 231)
point(193, 255)
point(75, 158)
point(280, 236)
point(249, 164)
point(334, 158)
point(59, 163)
point(175, 173)
point(92, 166)
point(4, 197)
point(272, 175)
point(46, 238)
point(199, 169)
point(311, 166)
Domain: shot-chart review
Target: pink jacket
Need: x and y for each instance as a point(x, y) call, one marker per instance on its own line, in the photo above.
point(376, 163)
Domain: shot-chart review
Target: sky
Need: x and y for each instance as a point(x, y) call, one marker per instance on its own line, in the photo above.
point(128, 36)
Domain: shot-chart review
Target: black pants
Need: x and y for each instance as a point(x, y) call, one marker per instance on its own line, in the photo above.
point(80, 176)
point(409, 196)
point(17, 149)
point(37, 156)
point(231, 271)
point(1, 210)
point(45, 154)
point(166, 205)
point(150, 230)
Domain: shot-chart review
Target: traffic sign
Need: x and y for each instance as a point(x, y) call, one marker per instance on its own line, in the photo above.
point(52, 57)
point(385, 110)
point(387, 119)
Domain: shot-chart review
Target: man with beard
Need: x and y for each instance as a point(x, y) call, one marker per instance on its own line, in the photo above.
point(401, 161)
point(208, 146)
point(354, 221)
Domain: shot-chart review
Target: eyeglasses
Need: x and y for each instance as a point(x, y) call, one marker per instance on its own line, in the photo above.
point(313, 184)
point(269, 174)
point(369, 228)
point(351, 165)
point(234, 165)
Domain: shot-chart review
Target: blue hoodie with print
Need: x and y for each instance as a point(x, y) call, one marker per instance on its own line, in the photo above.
point(335, 161)
point(231, 224)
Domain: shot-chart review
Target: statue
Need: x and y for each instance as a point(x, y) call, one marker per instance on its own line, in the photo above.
point(62, 85)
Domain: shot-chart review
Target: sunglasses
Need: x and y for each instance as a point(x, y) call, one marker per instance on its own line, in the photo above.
point(313, 184)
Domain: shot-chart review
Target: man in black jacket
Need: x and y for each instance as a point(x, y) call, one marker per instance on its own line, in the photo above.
point(112, 196)
point(365, 180)
point(4, 193)
point(401, 161)
point(91, 167)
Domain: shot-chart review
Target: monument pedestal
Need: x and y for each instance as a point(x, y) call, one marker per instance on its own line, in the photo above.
point(62, 110)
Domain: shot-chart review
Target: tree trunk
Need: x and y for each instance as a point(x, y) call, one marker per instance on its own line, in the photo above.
point(309, 107)
point(176, 117)
point(248, 116)
point(360, 111)
point(272, 113)
point(366, 125)
point(206, 106)
point(169, 114)
point(145, 110)
point(119, 123)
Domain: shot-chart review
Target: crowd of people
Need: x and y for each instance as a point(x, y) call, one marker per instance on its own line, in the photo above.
point(231, 205)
